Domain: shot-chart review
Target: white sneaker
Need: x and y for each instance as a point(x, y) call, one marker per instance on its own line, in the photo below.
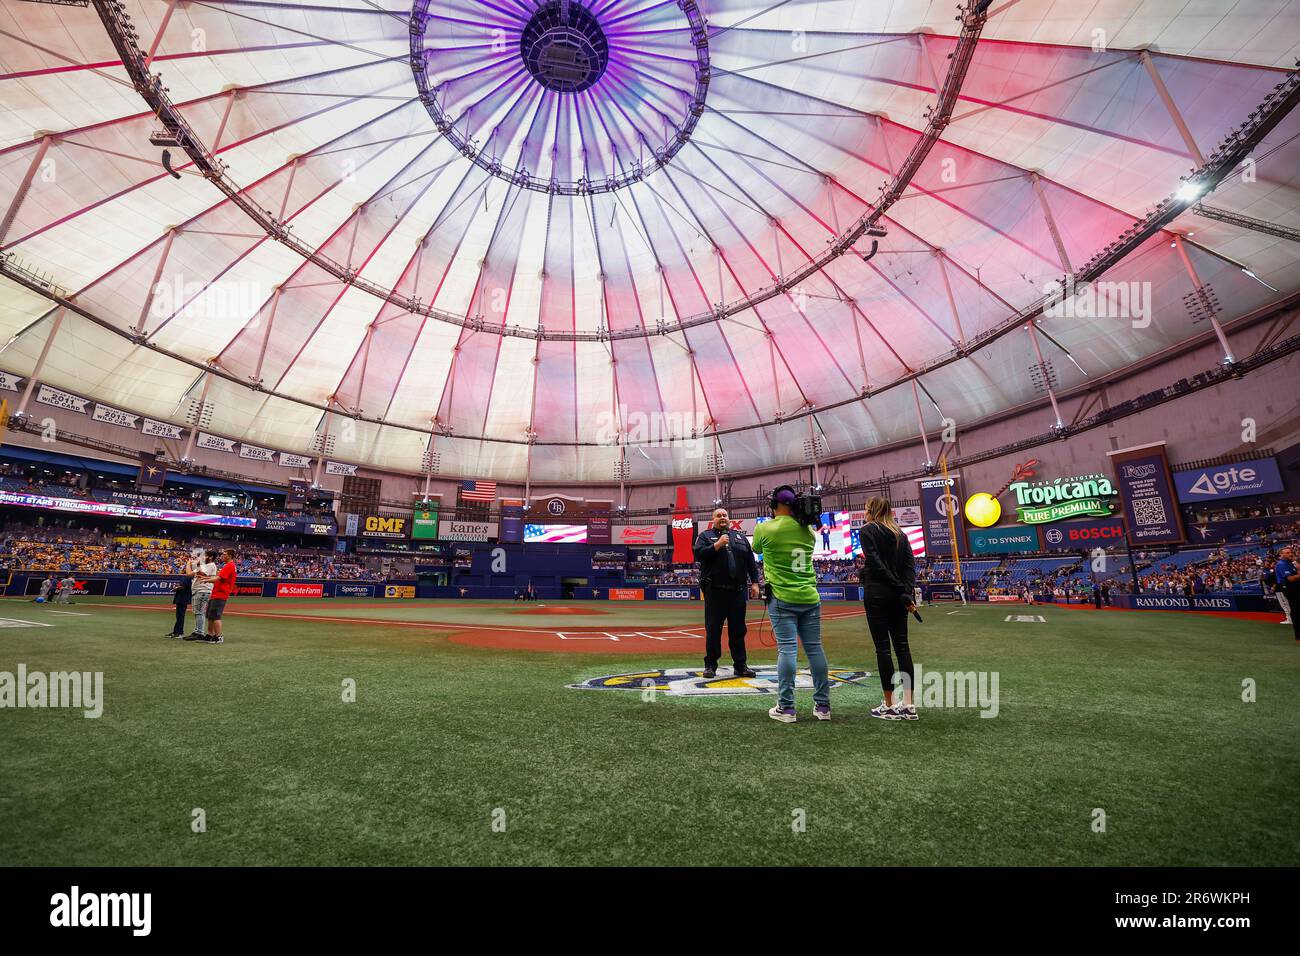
point(906, 711)
point(884, 712)
point(785, 716)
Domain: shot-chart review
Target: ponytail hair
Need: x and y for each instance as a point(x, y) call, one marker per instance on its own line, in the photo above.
point(879, 511)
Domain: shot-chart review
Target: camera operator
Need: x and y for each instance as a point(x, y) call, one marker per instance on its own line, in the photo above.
point(727, 570)
point(888, 578)
point(794, 607)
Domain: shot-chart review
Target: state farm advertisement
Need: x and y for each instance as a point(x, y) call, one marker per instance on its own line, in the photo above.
point(290, 590)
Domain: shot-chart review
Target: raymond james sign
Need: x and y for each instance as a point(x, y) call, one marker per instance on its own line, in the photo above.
point(1045, 501)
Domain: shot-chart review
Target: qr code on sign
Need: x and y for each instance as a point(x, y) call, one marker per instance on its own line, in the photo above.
point(1149, 511)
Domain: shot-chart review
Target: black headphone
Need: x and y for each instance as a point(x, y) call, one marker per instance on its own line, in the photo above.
point(771, 499)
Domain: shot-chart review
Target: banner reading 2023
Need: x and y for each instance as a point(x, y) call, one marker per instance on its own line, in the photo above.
point(1147, 490)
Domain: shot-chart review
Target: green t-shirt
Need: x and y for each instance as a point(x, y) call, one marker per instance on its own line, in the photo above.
point(787, 550)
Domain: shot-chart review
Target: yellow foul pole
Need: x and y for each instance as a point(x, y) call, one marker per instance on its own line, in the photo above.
point(952, 523)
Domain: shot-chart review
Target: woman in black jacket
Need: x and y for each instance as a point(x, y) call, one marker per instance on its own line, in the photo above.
point(888, 577)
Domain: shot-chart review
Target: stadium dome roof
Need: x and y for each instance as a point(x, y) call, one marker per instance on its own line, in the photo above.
point(535, 227)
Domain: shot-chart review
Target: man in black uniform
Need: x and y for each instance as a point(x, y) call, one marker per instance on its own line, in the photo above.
point(727, 569)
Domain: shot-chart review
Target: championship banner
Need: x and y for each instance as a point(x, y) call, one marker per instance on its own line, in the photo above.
point(294, 461)
point(339, 468)
point(938, 502)
point(642, 534)
point(216, 443)
point(386, 527)
point(255, 453)
point(114, 416)
point(683, 530)
point(462, 557)
point(424, 519)
point(1147, 490)
point(49, 395)
point(162, 429)
point(1083, 535)
point(1258, 477)
point(512, 520)
point(9, 382)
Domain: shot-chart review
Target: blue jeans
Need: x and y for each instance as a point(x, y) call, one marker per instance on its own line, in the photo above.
point(201, 599)
point(792, 624)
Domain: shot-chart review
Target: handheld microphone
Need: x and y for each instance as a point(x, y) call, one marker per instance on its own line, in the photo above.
point(917, 614)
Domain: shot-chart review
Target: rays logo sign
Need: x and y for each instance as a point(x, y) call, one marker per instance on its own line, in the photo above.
point(688, 682)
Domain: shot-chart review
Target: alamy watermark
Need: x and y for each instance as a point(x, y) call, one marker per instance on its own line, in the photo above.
point(686, 430)
point(76, 690)
point(1099, 300)
point(957, 689)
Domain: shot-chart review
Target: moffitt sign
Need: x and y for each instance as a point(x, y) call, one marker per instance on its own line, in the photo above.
point(1046, 501)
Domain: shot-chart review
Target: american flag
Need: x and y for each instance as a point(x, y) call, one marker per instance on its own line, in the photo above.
point(555, 533)
point(478, 491)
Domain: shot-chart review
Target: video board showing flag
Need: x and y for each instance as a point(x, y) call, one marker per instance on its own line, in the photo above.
point(555, 534)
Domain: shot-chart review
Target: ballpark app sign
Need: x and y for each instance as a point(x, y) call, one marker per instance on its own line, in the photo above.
point(1147, 490)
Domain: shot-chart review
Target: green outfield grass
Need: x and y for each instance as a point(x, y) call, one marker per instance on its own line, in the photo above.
point(1138, 714)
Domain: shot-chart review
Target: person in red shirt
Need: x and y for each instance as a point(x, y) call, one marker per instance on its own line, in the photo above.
point(222, 589)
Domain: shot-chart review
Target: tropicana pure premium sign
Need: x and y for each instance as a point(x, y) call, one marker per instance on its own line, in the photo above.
point(1044, 501)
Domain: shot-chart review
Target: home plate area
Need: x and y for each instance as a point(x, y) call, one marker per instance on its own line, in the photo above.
point(691, 682)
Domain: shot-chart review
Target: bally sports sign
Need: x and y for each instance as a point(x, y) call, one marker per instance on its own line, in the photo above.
point(1045, 501)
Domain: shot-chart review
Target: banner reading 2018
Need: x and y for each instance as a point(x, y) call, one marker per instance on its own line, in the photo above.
point(1147, 490)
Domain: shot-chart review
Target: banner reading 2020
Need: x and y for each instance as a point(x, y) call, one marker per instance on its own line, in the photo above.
point(1147, 490)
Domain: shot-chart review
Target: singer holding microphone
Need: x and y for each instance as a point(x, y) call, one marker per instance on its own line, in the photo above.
point(727, 571)
point(888, 577)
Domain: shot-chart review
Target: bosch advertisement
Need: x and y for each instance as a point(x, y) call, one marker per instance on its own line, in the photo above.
point(1084, 535)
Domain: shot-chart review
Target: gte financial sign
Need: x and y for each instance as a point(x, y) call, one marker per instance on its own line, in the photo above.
point(1042, 502)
